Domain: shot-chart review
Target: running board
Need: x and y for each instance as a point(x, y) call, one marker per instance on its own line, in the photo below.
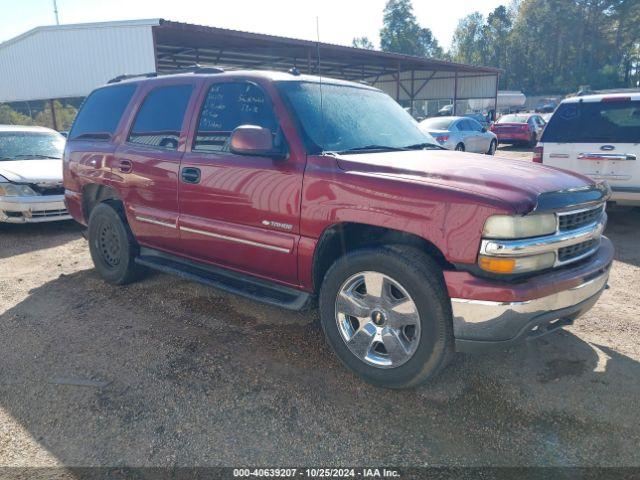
point(223, 279)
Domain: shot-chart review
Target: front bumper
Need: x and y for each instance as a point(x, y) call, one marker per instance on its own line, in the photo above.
point(530, 309)
point(33, 209)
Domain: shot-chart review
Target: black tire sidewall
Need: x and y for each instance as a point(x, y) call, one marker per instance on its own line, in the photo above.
point(123, 271)
point(428, 298)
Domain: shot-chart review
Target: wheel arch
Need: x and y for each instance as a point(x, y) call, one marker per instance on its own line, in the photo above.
point(341, 238)
point(94, 194)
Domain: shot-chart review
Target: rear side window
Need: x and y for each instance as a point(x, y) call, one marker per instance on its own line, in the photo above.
point(159, 120)
point(227, 106)
point(101, 111)
point(595, 122)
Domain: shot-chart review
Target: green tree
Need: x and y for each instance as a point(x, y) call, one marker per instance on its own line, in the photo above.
point(362, 42)
point(401, 32)
point(468, 44)
point(64, 116)
point(9, 116)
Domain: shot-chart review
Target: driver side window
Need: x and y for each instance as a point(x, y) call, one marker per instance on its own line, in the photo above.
point(227, 106)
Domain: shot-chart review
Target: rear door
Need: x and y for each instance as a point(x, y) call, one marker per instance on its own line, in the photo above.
point(148, 161)
point(600, 139)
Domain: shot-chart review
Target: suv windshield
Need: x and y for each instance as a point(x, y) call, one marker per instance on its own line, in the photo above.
point(352, 119)
point(585, 122)
point(30, 145)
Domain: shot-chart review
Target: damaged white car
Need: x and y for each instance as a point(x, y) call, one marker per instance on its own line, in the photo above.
point(31, 188)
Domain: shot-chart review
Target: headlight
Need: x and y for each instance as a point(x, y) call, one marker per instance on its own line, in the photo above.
point(507, 226)
point(16, 190)
point(513, 265)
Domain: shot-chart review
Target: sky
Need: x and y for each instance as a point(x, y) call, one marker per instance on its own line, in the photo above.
point(340, 20)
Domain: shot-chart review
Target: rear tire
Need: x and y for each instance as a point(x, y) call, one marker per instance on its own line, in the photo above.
point(112, 245)
point(460, 147)
point(403, 334)
point(492, 148)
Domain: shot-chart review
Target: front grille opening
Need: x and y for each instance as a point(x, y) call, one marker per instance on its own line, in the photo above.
point(573, 221)
point(574, 251)
point(49, 213)
point(48, 189)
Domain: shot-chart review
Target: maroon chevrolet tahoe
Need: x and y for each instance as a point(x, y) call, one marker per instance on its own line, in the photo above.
point(295, 190)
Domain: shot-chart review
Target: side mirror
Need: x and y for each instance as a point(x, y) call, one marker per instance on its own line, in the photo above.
point(484, 129)
point(254, 140)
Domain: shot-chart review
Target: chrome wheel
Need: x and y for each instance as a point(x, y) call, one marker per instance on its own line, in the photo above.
point(377, 319)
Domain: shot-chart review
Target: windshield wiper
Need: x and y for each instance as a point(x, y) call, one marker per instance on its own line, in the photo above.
point(35, 155)
point(367, 148)
point(424, 146)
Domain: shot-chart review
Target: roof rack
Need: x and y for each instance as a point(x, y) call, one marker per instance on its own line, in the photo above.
point(191, 69)
point(197, 68)
point(127, 76)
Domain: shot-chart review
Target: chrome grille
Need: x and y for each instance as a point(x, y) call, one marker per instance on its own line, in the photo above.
point(575, 220)
point(573, 252)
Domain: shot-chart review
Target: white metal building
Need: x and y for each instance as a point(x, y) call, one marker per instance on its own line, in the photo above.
point(65, 61)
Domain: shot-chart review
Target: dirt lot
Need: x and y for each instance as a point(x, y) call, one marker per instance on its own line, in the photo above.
point(166, 372)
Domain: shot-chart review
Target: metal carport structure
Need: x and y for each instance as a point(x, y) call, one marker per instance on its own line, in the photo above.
point(415, 82)
point(68, 61)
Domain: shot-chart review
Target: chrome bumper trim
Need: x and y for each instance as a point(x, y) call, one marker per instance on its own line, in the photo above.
point(498, 321)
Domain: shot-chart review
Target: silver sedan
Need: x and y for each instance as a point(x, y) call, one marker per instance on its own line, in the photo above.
point(461, 133)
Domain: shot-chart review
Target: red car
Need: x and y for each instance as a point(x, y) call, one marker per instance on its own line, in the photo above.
point(523, 128)
point(299, 193)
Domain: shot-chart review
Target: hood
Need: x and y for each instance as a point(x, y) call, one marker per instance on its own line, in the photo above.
point(32, 171)
point(516, 184)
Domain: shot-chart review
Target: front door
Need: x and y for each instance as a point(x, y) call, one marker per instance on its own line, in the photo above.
point(239, 211)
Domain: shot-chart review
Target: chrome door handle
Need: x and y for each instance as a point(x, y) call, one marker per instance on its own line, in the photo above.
point(125, 166)
point(606, 156)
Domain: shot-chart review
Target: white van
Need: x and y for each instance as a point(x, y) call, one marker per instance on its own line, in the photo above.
point(597, 136)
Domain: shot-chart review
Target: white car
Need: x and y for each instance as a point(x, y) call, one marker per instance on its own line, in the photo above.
point(597, 136)
point(31, 189)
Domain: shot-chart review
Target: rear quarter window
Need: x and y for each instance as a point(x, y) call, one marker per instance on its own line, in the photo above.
point(595, 122)
point(101, 111)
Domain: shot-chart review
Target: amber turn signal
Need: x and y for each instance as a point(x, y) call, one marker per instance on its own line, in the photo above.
point(497, 265)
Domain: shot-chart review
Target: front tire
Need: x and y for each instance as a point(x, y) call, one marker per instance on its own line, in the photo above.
point(460, 147)
point(112, 245)
point(386, 314)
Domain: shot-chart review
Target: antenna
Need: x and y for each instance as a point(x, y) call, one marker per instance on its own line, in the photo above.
point(320, 82)
point(55, 11)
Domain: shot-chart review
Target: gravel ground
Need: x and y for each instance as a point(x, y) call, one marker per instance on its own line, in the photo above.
point(166, 372)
